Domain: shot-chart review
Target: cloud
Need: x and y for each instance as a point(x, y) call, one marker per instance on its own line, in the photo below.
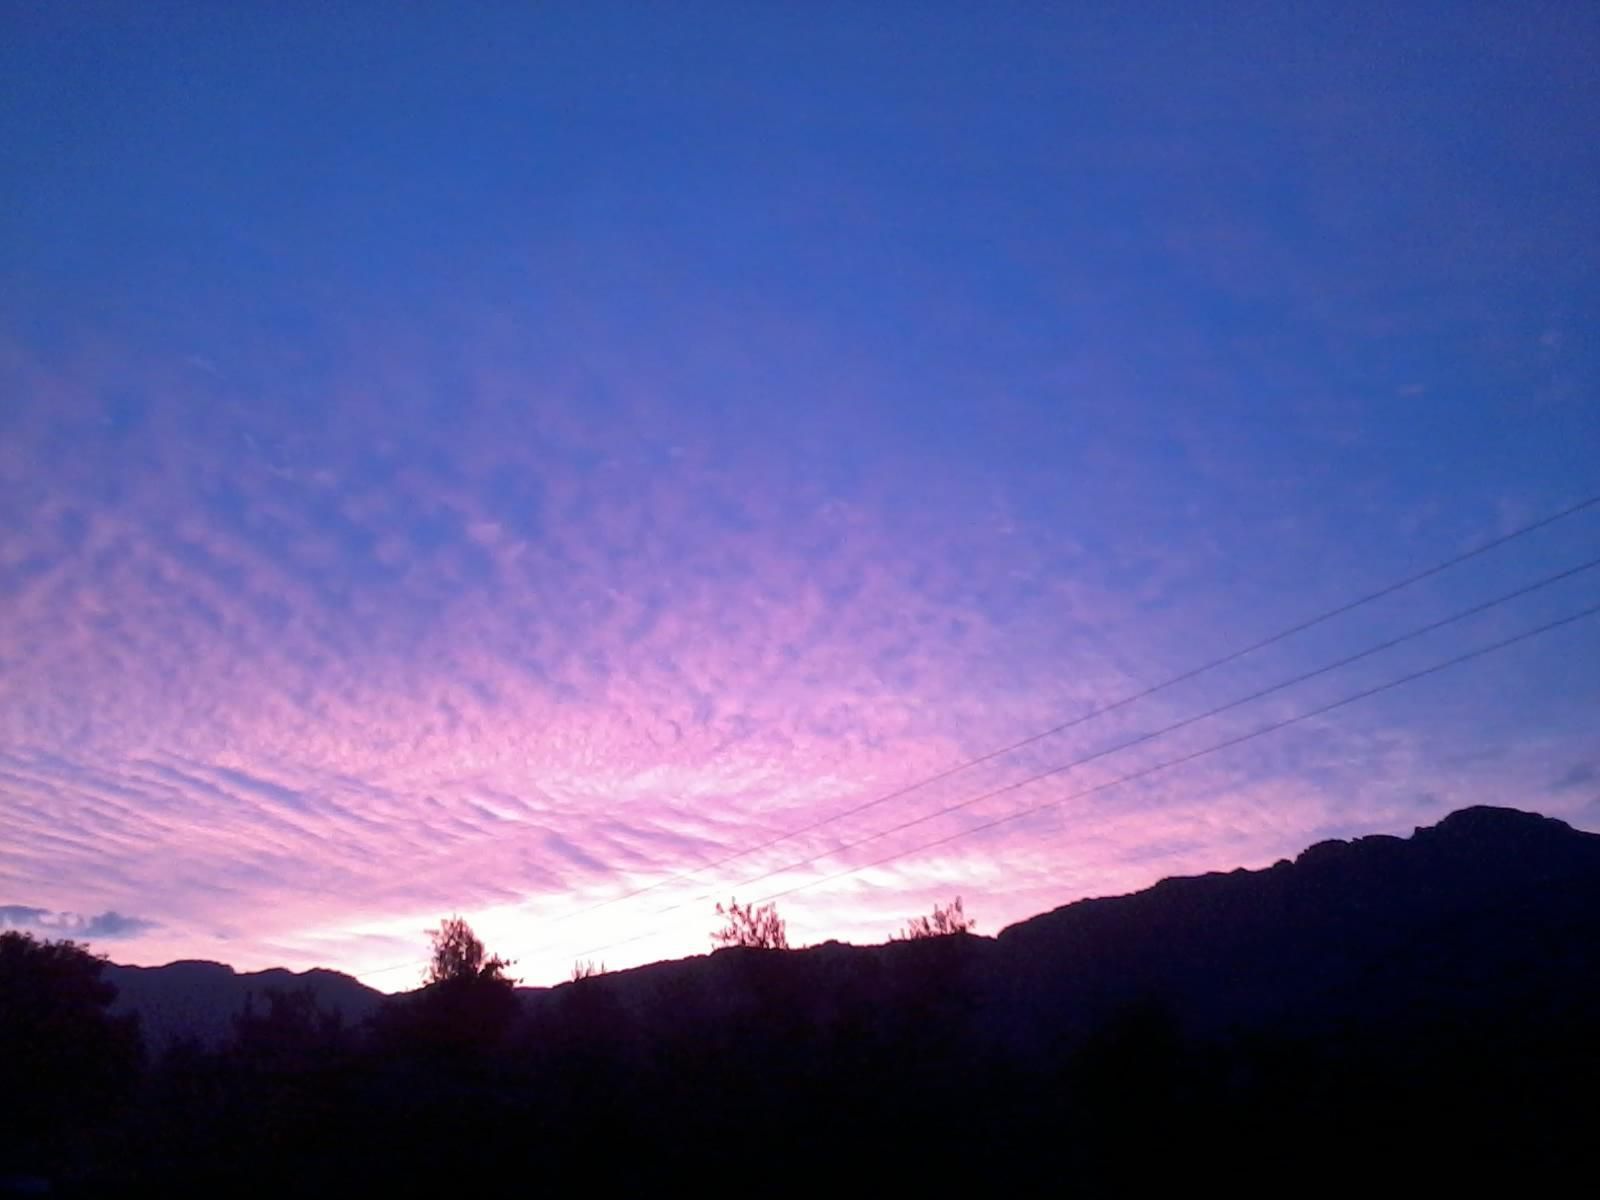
point(313, 679)
point(105, 926)
point(1578, 775)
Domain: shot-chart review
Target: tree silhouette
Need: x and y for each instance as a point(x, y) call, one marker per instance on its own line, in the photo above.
point(458, 954)
point(292, 1033)
point(749, 925)
point(65, 1061)
point(465, 1008)
point(945, 921)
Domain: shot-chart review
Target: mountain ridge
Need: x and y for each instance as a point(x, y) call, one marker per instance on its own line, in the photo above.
point(1417, 1009)
point(1228, 948)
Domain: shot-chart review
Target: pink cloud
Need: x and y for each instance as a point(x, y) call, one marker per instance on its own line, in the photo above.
point(296, 702)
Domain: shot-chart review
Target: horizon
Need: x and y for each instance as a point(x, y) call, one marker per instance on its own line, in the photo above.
point(497, 464)
point(896, 935)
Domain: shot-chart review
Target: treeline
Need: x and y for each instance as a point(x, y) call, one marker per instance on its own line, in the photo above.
point(761, 1069)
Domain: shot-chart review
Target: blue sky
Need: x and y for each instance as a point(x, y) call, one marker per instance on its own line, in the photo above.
point(493, 461)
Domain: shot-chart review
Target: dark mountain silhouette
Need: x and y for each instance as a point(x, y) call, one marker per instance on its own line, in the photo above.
point(1478, 910)
point(199, 1000)
point(1492, 908)
point(1342, 1007)
point(1468, 903)
point(1415, 1011)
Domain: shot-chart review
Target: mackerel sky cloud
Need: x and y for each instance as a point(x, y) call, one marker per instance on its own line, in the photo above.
point(494, 464)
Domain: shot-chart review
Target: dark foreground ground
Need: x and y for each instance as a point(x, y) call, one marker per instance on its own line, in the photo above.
point(1387, 1013)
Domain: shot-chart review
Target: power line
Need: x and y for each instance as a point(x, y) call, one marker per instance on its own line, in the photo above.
point(1151, 735)
point(1123, 702)
point(1322, 710)
point(1166, 764)
point(1112, 706)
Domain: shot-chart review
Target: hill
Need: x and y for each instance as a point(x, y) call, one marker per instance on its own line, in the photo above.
point(199, 1000)
point(1478, 905)
point(1420, 1010)
point(1490, 907)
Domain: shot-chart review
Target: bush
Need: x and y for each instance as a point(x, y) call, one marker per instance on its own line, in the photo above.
point(945, 921)
point(748, 925)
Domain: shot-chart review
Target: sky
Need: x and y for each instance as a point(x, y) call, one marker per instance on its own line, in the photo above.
point(499, 459)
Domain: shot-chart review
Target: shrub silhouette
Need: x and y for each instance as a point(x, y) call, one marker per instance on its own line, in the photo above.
point(944, 921)
point(748, 925)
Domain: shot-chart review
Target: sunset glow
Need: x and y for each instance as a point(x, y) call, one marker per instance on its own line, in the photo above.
point(514, 461)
